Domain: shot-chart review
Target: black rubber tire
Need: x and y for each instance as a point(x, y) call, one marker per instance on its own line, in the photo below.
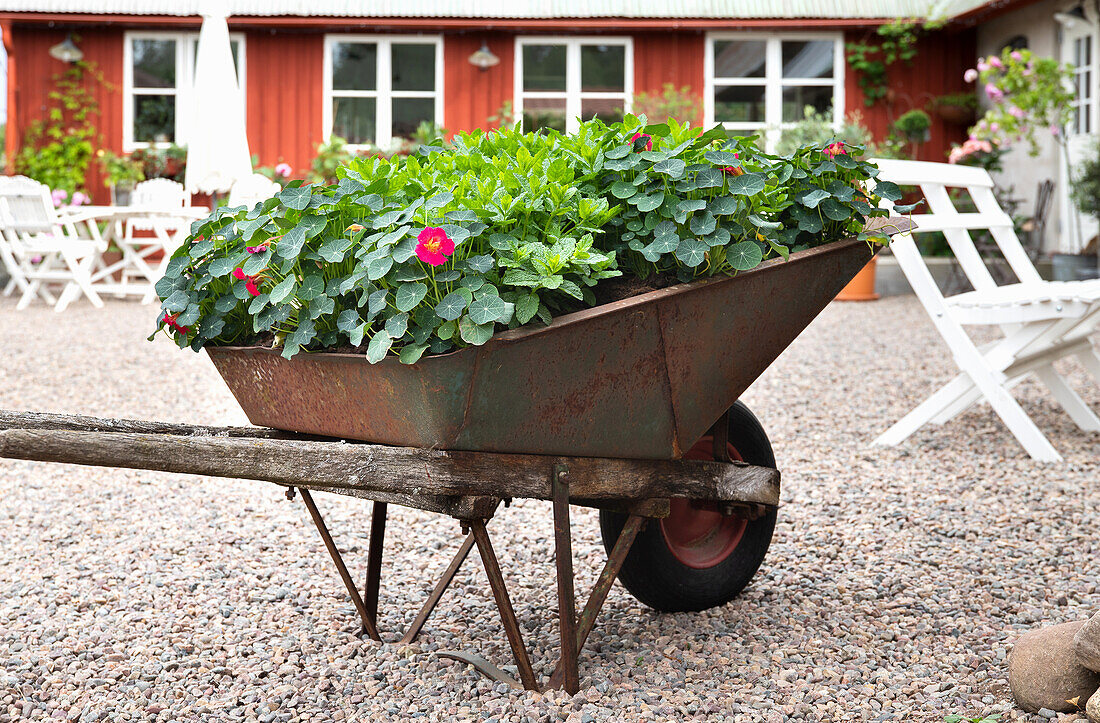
point(656, 578)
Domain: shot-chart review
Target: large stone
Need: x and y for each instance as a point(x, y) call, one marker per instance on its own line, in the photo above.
point(1043, 671)
point(1087, 643)
point(1092, 708)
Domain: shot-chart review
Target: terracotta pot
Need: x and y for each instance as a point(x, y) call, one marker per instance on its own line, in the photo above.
point(862, 287)
point(957, 114)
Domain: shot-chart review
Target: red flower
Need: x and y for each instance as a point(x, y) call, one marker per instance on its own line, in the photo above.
point(835, 149)
point(734, 170)
point(435, 246)
point(648, 140)
point(170, 321)
point(257, 249)
point(249, 281)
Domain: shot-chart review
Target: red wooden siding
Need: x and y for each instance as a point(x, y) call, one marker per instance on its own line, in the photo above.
point(936, 70)
point(670, 57)
point(471, 95)
point(284, 86)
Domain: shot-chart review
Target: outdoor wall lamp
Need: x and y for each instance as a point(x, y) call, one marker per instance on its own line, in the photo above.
point(66, 51)
point(1072, 17)
point(483, 58)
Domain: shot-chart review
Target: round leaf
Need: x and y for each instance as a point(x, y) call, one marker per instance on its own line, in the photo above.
point(745, 255)
point(409, 295)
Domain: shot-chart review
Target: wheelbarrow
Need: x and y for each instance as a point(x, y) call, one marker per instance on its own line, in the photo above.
point(630, 407)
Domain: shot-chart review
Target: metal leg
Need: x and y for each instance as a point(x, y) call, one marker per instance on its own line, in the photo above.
point(368, 622)
point(504, 604)
point(563, 558)
point(602, 587)
point(440, 588)
point(374, 561)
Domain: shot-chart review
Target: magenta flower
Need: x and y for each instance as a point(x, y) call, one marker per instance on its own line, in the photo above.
point(994, 92)
point(284, 170)
point(995, 62)
point(970, 75)
point(1016, 112)
point(982, 66)
point(835, 149)
point(169, 320)
point(249, 281)
point(434, 246)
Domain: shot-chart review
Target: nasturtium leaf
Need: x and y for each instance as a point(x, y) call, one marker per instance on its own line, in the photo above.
point(749, 184)
point(211, 327)
point(176, 302)
point(201, 248)
point(480, 263)
point(313, 285)
point(296, 198)
point(814, 197)
point(745, 255)
point(720, 237)
point(355, 336)
point(409, 295)
point(313, 225)
point(257, 303)
point(691, 252)
point(439, 200)
point(379, 267)
point(474, 333)
point(708, 178)
point(379, 345)
point(619, 151)
point(388, 218)
point(225, 303)
point(397, 325)
point(347, 320)
point(649, 202)
point(446, 277)
point(664, 244)
point(673, 168)
point(225, 264)
point(473, 283)
point(282, 290)
point(321, 305)
point(405, 250)
point(527, 305)
point(780, 249)
point(334, 250)
point(888, 190)
point(256, 262)
point(249, 227)
point(189, 316)
point(691, 204)
point(176, 265)
point(453, 304)
point(411, 353)
point(834, 210)
point(486, 309)
point(722, 158)
point(290, 245)
point(623, 189)
point(503, 241)
point(762, 224)
point(702, 223)
point(462, 215)
point(811, 223)
point(376, 302)
point(447, 329)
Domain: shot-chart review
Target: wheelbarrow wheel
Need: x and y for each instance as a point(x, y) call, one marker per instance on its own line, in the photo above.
point(697, 558)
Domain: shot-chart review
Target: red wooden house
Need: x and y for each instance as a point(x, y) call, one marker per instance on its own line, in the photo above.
point(311, 69)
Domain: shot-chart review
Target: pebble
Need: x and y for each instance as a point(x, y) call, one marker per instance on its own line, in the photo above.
point(895, 583)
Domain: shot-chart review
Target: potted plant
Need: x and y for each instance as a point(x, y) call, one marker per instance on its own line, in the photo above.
point(955, 108)
point(121, 173)
point(483, 243)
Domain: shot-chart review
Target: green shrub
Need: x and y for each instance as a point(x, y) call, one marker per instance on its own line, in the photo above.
point(428, 253)
point(1086, 188)
point(816, 128)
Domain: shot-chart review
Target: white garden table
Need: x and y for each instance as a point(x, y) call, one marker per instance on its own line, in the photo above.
point(169, 226)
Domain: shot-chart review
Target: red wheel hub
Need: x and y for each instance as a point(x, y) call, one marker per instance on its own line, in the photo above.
point(702, 538)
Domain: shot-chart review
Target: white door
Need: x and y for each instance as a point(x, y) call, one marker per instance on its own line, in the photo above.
point(1081, 49)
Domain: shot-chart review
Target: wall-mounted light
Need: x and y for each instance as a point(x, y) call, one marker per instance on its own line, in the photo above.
point(66, 51)
point(1072, 17)
point(483, 58)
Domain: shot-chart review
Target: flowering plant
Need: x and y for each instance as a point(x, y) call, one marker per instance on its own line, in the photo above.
point(1029, 94)
point(437, 251)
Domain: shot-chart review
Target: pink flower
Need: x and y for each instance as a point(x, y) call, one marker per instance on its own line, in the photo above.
point(982, 66)
point(648, 140)
point(434, 246)
point(249, 281)
point(994, 92)
point(79, 199)
point(1055, 130)
point(835, 149)
point(1016, 112)
point(58, 195)
point(284, 170)
point(1016, 55)
point(995, 62)
point(970, 75)
point(994, 127)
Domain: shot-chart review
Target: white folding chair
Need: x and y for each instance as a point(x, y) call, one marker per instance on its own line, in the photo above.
point(40, 247)
point(161, 197)
point(1042, 321)
point(252, 190)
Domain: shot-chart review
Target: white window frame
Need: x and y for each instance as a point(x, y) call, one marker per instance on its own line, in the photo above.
point(773, 81)
point(572, 93)
point(383, 93)
point(1086, 34)
point(185, 80)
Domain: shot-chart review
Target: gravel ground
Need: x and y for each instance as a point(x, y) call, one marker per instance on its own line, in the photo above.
point(893, 589)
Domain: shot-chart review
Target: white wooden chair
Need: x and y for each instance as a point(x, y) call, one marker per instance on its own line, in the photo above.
point(41, 248)
point(1042, 321)
point(160, 196)
point(252, 190)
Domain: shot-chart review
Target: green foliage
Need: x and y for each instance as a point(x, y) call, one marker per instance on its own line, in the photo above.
point(1086, 187)
point(956, 718)
point(56, 151)
point(961, 100)
point(330, 156)
point(816, 129)
point(119, 169)
point(669, 103)
point(167, 162)
point(914, 125)
point(505, 117)
point(871, 59)
point(429, 253)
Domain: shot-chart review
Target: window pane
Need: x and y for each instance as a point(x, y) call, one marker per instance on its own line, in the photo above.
point(603, 68)
point(544, 67)
point(739, 103)
point(354, 119)
point(609, 110)
point(544, 113)
point(808, 59)
point(797, 97)
point(413, 67)
point(154, 118)
point(408, 113)
point(354, 66)
point(154, 63)
point(739, 58)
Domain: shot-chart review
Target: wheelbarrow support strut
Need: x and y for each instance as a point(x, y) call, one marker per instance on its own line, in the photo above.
point(573, 629)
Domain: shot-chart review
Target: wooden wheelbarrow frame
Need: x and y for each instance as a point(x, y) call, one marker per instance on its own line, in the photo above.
point(468, 486)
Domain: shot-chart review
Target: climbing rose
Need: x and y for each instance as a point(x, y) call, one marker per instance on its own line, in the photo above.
point(284, 170)
point(648, 140)
point(434, 246)
point(249, 281)
point(970, 75)
point(994, 92)
point(1016, 55)
point(835, 149)
point(995, 62)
